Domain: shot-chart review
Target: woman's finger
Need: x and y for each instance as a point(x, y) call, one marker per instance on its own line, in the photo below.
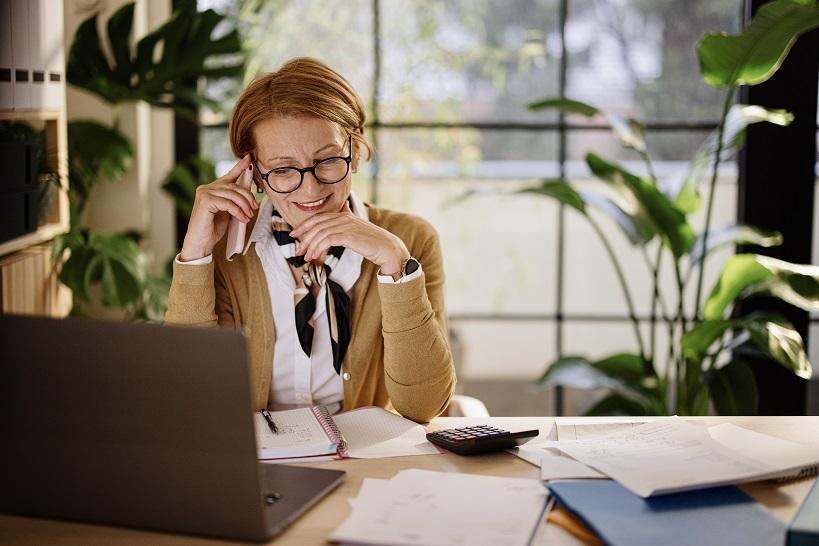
point(241, 197)
point(236, 170)
point(339, 222)
point(217, 204)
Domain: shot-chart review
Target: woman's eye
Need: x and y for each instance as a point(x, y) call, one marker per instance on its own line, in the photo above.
point(280, 172)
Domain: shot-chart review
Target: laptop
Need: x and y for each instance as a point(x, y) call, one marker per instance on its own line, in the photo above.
point(139, 425)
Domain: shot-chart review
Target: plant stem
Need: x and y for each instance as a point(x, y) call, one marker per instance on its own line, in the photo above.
point(679, 361)
point(654, 267)
point(623, 284)
point(729, 97)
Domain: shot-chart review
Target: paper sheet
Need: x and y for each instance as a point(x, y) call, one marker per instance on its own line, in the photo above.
point(375, 432)
point(664, 456)
point(421, 507)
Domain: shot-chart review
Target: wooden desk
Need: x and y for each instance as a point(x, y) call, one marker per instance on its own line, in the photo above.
point(318, 523)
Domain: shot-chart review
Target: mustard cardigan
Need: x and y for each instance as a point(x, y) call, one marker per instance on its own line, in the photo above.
point(398, 357)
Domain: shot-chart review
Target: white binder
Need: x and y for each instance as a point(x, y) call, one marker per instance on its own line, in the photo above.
point(6, 86)
point(20, 57)
point(36, 35)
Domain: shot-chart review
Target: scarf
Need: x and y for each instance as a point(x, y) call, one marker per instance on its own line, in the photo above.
point(316, 275)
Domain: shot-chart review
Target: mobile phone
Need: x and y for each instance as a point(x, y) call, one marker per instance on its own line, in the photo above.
point(236, 229)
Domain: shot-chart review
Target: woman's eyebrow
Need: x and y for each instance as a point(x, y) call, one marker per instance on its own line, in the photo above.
point(323, 148)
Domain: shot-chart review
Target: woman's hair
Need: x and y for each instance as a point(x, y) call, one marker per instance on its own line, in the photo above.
point(302, 87)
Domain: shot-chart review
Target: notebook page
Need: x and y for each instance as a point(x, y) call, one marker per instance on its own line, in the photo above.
point(374, 432)
point(300, 435)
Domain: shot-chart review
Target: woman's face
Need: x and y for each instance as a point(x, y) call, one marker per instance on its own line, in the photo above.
point(301, 142)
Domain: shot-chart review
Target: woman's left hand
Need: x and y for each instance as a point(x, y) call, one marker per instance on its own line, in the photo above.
point(320, 232)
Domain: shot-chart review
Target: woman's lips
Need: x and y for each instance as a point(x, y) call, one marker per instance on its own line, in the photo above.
point(312, 206)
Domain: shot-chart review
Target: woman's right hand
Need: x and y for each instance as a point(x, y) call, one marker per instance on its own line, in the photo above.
point(213, 207)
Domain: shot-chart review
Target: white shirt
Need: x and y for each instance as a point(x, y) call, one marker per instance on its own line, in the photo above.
point(298, 379)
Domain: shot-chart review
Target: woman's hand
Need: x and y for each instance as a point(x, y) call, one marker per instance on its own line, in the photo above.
point(320, 232)
point(213, 207)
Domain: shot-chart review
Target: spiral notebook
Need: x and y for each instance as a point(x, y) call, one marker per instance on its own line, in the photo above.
point(363, 433)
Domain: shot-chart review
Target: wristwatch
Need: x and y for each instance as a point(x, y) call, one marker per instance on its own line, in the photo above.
point(408, 267)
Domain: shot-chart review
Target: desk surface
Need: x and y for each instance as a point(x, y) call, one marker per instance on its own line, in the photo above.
point(318, 523)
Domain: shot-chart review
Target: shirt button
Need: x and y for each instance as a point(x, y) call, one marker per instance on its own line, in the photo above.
point(345, 376)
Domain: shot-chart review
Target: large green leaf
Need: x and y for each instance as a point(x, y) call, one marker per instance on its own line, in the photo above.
point(617, 403)
point(565, 105)
point(639, 229)
point(646, 201)
point(112, 260)
point(752, 273)
point(96, 153)
point(165, 61)
point(560, 190)
point(754, 55)
point(682, 187)
point(733, 389)
point(733, 234)
point(576, 372)
point(739, 273)
point(630, 132)
point(182, 181)
point(696, 342)
point(777, 338)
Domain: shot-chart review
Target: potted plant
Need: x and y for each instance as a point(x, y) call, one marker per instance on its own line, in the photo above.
point(158, 70)
point(703, 365)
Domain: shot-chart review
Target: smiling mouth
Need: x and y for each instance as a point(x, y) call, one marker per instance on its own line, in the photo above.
point(312, 205)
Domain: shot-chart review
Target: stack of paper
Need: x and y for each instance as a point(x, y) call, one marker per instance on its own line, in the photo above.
point(421, 507)
point(671, 455)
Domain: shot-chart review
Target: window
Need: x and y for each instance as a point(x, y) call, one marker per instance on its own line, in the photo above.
point(446, 84)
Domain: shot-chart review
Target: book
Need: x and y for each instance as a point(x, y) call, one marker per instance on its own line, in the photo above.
point(722, 515)
point(363, 433)
point(804, 529)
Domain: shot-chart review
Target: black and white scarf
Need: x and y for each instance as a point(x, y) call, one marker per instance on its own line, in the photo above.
point(316, 275)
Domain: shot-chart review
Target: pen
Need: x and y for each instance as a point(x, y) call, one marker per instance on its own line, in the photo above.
point(270, 423)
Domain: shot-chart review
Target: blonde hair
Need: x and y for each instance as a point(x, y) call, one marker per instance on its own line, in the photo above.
point(302, 87)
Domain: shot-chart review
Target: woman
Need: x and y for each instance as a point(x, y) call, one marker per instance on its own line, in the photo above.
point(343, 302)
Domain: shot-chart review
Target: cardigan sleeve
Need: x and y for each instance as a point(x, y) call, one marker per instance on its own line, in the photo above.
point(199, 296)
point(418, 367)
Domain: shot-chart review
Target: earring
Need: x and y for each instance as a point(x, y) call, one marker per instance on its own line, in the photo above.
point(259, 188)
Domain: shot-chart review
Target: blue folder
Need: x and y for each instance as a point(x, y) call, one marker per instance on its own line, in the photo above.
point(722, 516)
point(804, 529)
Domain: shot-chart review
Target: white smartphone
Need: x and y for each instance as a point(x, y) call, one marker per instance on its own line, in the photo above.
point(236, 229)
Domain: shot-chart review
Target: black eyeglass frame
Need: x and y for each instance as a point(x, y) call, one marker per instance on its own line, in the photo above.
point(311, 170)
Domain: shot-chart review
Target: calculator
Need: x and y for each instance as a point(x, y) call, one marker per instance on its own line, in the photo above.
point(478, 439)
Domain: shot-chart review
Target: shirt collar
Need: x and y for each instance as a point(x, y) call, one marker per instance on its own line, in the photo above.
point(262, 232)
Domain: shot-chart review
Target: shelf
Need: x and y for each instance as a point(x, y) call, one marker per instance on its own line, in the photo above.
point(42, 235)
point(56, 150)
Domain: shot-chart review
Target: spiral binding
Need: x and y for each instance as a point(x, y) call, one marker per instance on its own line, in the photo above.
point(804, 472)
point(330, 429)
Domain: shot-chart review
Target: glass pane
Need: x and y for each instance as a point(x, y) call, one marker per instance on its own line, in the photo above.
point(499, 251)
point(596, 339)
point(339, 33)
point(502, 349)
point(639, 59)
point(467, 61)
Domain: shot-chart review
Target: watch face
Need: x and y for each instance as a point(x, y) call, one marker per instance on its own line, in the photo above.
point(411, 267)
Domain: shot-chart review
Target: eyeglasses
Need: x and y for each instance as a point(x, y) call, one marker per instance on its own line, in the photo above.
point(327, 171)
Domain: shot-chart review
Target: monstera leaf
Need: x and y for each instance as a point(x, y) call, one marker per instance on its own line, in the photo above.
point(182, 181)
point(96, 153)
point(111, 260)
point(188, 51)
point(754, 55)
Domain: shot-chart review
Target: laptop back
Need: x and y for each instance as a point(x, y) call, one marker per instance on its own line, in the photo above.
point(132, 424)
